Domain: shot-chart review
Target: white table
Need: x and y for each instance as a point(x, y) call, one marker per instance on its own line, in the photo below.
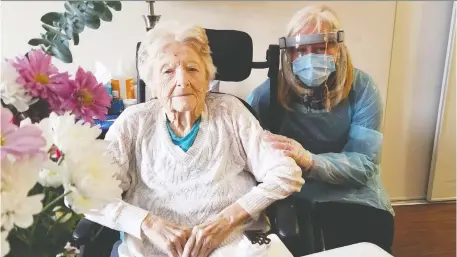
point(355, 250)
point(275, 249)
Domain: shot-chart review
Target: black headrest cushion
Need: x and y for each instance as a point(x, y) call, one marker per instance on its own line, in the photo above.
point(232, 53)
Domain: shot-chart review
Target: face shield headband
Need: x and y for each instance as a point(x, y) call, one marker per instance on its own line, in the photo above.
point(311, 67)
point(294, 42)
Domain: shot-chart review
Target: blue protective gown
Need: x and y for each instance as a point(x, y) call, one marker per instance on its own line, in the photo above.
point(345, 143)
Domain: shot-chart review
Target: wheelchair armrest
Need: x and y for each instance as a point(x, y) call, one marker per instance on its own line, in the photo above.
point(84, 231)
point(285, 219)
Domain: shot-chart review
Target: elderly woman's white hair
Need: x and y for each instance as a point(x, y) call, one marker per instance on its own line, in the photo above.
point(166, 33)
point(316, 16)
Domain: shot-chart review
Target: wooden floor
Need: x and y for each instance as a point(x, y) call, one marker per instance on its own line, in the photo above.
point(425, 230)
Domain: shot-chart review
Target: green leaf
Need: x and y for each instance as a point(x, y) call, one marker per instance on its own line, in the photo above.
point(53, 30)
point(68, 28)
point(73, 8)
point(99, 7)
point(45, 49)
point(75, 39)
point(48, 36)
point(92, 12)
point(106, 15)
point(39, 41)
point(61, 52)
point(61, 40)
point(116, 5)
point(92, 22)
point(77, 23)
point(51, 17)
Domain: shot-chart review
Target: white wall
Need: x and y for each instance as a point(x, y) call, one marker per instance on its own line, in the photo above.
point(415, 67)
point(264, 21)
point(442, 182)
point(416, 72)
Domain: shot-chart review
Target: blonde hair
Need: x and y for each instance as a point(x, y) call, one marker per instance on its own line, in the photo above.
point(166, 33)
point(316, 16)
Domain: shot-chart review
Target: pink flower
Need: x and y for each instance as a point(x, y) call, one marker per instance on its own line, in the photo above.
point(89, 98)
point(19, 141)
point(41, 78)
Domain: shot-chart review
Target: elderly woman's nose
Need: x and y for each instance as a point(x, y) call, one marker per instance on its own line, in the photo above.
point(181, 77)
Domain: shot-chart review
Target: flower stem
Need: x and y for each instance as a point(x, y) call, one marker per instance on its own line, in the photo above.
point(49, 205)
point(56, 222)
point(22, 238)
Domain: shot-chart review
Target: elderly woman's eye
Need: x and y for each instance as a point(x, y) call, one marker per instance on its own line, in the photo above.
point(168, 71)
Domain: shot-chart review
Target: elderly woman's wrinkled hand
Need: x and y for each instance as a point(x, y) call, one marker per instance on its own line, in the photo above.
point(207, 237)
point(291, 148)
point(168, 237)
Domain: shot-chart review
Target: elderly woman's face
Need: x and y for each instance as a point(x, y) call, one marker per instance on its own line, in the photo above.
point(182, 78)
point(321, 48)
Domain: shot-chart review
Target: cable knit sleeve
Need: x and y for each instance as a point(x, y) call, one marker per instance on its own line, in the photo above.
point(279, 175)
point(121, 215)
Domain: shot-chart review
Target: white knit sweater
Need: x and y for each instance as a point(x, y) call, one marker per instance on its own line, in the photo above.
point(223, 166)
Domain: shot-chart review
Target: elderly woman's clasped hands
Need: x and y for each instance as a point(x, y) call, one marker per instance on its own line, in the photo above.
point(165, 235)
point(197, 242)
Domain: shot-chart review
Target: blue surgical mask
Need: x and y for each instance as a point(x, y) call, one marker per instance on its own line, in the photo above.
point(313, 69)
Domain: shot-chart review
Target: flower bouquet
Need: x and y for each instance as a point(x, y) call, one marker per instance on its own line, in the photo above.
point(53, 168)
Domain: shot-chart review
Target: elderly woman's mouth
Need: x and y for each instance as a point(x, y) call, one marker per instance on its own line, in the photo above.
point(182, 95)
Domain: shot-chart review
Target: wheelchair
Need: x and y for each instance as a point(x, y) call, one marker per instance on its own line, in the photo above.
point(291, 220)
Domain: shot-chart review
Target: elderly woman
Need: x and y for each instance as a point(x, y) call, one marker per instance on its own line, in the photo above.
point(195, 169)
point(330, 125)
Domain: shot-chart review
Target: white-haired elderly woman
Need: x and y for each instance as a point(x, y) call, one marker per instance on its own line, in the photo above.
point(331, 122)
point(196, 171)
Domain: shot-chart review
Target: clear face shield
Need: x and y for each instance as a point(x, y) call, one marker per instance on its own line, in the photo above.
point(309, 66)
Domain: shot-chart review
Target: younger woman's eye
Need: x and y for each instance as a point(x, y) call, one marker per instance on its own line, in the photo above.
point(192, 69)
point(301, 51)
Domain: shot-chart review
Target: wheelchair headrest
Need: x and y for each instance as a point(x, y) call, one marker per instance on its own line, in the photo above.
point(231, 52)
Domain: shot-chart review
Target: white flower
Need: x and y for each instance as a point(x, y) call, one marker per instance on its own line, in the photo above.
point(69, 135)
point(11, 92)
point(90, 175)
point(64, 132)
point(20, 176)
point(17, 179)
point(50, 175)
point(4, 245)
point(44, 126)
point(18, 209)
